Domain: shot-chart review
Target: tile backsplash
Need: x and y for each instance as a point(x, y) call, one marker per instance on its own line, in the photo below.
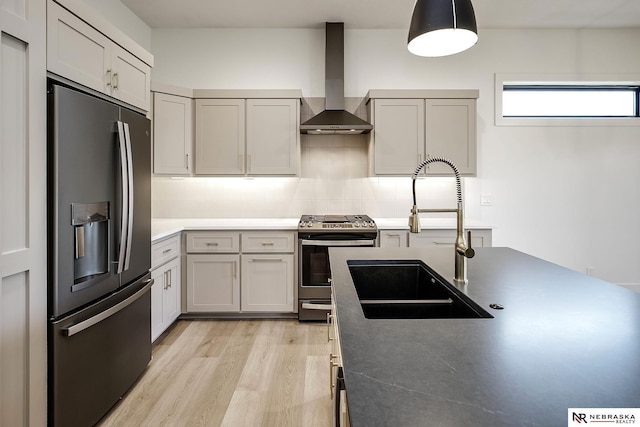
point(334, 179)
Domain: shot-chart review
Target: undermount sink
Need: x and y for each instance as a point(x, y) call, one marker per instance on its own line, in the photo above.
point(408, 289)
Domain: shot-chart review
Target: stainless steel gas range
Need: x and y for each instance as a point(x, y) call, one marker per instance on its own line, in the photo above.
point(316, 234)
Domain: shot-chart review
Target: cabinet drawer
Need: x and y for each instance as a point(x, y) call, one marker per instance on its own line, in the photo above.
point(431, 238)
point(213, 242)
point(165, 250)
point(268, 242)
point(394, 238)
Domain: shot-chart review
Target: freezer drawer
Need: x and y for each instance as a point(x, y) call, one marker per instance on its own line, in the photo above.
point(97, 354)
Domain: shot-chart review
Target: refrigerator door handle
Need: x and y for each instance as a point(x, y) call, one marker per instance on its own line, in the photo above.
point(130, 193)
point(124, 228)
point(85, 324)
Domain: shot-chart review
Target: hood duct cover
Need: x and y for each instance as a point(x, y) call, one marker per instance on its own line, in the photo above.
point(335, 119)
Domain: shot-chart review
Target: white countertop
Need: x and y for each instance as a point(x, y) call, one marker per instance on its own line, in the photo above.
point(427, 223)
point(164, 227)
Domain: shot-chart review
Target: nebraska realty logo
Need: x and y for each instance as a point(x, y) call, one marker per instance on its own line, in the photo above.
point(603, 416)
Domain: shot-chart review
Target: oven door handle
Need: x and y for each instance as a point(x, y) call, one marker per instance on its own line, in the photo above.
point(338, 242)
point(315, 306)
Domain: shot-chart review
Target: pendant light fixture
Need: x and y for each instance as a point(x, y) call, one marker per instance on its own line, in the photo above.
point(442, 27)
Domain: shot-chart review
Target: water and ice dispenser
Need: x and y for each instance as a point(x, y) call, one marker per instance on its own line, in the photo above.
point(91, 239)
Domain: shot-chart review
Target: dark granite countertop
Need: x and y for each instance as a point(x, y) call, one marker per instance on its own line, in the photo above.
point(563, 340)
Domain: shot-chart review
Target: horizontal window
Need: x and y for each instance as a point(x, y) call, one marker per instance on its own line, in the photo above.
point(569, 101)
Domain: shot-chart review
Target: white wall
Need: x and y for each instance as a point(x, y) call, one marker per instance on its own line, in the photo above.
point(566, 194)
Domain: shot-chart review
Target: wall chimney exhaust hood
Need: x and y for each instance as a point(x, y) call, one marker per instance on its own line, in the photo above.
point(335, 119)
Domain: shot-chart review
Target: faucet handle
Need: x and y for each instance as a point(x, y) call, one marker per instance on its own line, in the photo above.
point(469, 252)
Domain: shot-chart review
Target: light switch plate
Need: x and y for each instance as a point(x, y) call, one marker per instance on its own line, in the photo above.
point(486, 200)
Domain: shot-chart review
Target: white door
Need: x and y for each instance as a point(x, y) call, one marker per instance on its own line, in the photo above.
point(172, 134)
point(131, 79)
point(272, 136)
point(220, 137)
point(213, 283)
point(398, 135)
point(171, 295)
point(267, 282)
point(451, 133)
point(23, 227)
point(77, 51)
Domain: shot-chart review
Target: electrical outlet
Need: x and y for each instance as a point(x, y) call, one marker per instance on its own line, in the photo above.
point(590, 271)
point(486, 200)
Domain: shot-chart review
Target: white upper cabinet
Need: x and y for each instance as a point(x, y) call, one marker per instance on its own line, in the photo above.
point(131, 79)
point(450, 131)
point(247, 136)
point(172, 134)
point(399, 135)
point(272, 136)
point(79, 52)
point(420, 124)
point(220, 136)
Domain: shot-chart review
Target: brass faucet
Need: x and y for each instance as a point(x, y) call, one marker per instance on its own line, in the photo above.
point(463, 249)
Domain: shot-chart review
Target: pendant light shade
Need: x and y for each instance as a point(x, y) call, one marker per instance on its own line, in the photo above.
point(442, 27)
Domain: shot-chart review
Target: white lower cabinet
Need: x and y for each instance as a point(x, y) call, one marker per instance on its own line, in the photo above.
point(267, 282)
point(213, 283)
point(394, 238)
point(165, 297)
point(336, 383)
point(225, 276)
point(433, 238)
point(166, 288)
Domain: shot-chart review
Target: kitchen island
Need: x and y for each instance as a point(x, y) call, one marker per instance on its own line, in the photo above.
point(562, 340)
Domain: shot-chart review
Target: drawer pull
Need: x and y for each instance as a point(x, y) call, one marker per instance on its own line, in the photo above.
point(267, 243)
point(266, 259)
point(166, 251)
point(211, 244)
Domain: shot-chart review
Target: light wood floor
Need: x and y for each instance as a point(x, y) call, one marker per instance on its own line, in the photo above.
point(232, 373)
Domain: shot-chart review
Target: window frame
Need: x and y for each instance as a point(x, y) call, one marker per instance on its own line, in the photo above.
point(574, 82)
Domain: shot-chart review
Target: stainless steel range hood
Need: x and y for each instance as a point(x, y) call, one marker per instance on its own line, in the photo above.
point(335, 119)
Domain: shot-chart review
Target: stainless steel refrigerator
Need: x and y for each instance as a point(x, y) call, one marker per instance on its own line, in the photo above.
point(99, 253)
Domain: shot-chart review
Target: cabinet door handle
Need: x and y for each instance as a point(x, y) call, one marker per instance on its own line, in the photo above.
point(186, 161)
point(332, 365)
point(109, 77)
point(235, 269)
point(117, 80)
point(329, 317)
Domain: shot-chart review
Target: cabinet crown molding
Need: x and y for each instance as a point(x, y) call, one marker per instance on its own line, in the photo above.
point(422, 94)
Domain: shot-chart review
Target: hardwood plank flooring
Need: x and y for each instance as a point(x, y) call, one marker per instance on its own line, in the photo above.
point(232, 373)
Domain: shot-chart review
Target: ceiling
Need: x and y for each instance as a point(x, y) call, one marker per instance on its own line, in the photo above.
point(380, 14)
